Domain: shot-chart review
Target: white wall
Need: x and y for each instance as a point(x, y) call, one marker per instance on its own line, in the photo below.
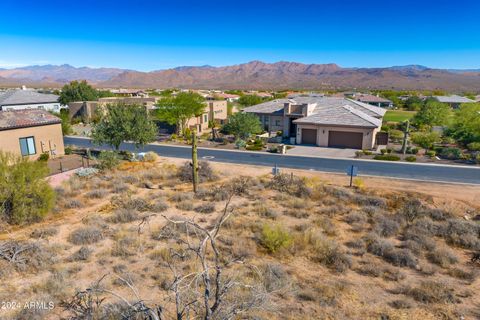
point(54, 106)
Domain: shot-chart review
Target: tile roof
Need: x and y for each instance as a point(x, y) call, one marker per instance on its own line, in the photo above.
point(327, 110)
point(14, 119)
point(453, 99)
point(16, 97)
point(371, 98)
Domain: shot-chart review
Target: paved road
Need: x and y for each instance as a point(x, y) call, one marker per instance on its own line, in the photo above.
point(440, 173)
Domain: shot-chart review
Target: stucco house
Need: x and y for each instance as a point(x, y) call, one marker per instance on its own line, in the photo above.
point(30, 133)
point(20, 99)
point(373, 100)
point(215, 110)
point(322, 121)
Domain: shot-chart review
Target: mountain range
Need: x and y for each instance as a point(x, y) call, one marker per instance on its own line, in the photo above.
point(255, 75)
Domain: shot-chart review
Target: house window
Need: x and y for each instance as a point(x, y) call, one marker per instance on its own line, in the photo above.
point(277, 123)
point(27, 146)
point(205, 118)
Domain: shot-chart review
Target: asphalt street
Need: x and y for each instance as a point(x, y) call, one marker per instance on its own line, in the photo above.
point(425, 172)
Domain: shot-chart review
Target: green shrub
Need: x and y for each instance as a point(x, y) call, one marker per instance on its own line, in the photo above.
point(367, 152)
point(279, 133)
point(431, 153)
point(426, 139)
point(411, 158)
point(108, 160)
point(474, 146)
point(68, 150)
point(451, 153)
point(173, 137)
point(387, 157)
point(25, 196)
point(414, 150)
point(359, 153)
point(274, 238)
point(389, 150)
point(150, 157)
point(44, 156)
point(383, 151)
point(253, 147)
point(239, 143)
point(395, 135)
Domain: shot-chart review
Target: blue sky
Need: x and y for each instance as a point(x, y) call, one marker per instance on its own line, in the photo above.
point(151, 35)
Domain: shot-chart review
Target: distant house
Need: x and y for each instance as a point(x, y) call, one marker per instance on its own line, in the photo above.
point(87, 109)
point(453, 101)
point(215, 110)
point(227, 96)
point(477, 98)
point(29, 99)
point(373, 100)
point(30, 133)
point(129, 92)
point(322, 121)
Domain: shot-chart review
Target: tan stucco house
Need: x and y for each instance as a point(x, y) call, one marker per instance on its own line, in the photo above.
point(215, 110)
point(322, 121)
point(30, 133)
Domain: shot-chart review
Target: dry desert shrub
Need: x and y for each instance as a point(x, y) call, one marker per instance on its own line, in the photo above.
point(185, 205)
point(123, 215)
point(44, 233)
point(97, 194)
point(431, 292)
point(205, 172)
point(159, 206)
point(182, 196)
point(330, 254)
point(442, 257)
point(385, 226)
point(274, 277)
point(265, 211)
point(82, 254)
point(85, 235)
point(72, 204)
point(205, 208)
point(385, 249)
point(468, 276)
point(290, 184)
point(463, 234)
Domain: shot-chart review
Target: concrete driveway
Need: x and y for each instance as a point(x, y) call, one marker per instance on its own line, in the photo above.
point(322, 152)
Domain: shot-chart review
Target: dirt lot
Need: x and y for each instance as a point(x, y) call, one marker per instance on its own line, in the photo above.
point(305, 247)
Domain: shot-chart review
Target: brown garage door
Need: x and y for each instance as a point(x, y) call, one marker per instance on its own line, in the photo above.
point(309, 136)
point(342, 139)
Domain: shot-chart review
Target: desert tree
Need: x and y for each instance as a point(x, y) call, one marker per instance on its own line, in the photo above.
point(124, 122)
point(177, 110)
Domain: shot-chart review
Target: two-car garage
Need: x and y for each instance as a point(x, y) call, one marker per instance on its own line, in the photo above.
point(332, 137)
point(344, 139)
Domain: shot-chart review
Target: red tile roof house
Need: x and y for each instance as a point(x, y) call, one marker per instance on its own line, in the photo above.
point(30, 133)
point(322, 121)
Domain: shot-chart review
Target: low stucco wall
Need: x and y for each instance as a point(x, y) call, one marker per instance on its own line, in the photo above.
point(48, 138)
point(322, 134)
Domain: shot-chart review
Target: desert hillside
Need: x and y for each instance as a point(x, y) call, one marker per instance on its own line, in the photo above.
point(135, 240)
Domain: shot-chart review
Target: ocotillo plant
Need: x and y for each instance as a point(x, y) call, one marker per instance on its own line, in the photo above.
point(194, 161)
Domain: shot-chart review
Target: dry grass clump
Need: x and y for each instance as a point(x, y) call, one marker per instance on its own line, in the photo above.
point(130, 203)
point(385, 226)
point(181, 196)
point(120, 187)
point(431, 292)
point(123, 215)
point(159, 206)
point(125, 246)
point(385, 249)
point(468, 276)
point(85, 235)
point(43, 233)
point(265, 211)
point(375, 269)
point(401, 304)
point(290, 184)
point(72, 204)
point(185, 205)
point(443, 257)
point(82, 254)
point(463, 234)
point(205, 208)
point(275, 277)
point(97, 194)
point(329, 253)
